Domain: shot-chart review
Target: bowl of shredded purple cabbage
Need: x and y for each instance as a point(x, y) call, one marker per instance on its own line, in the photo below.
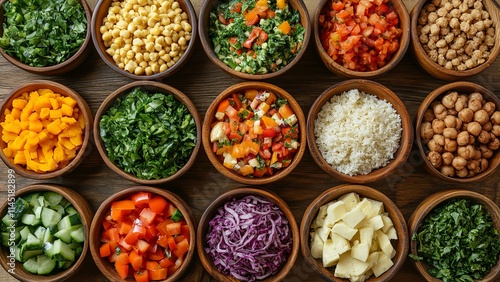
point(248, 234)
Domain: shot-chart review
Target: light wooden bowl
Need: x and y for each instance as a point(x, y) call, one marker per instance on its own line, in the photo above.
point(96, 230)
point(431, 202)
point(101, 11)
point(86, 213)
point(400, 245)
point(210, 118)
point(204, 23)
point(404, 41)
point(239, 193)
point(382, 92)
point(62, 68)
point(465, 88)
point(438, 71)
point(151, 86)
point(62, 90)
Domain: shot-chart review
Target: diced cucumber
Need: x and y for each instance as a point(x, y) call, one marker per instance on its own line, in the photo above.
point(65, 203)
point(47, 237)
point(71, 210)
point(65, 234)
point(61, 251)
point(48, 249)
point(42, 201)
point(21, 207)
point(17, 253)
point(78, 235)
point(33, 199)
point(50, 217)
point(30, 219)
point(7, 220)
point(5, 238)
point(31, 265)
point(25, 232)
point(40, 264)
point(27, 254)
point(38, 212)
point(69, 221)
point(40, 232)
point(64, 264)
point(52, 197)
point(33, 243)
point(59, 209)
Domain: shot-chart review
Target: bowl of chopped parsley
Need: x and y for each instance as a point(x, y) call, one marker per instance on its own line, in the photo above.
point(148, 132)
point(255, 39)
point(46, 37)
point(455, 237)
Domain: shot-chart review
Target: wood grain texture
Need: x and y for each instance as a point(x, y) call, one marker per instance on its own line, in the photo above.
point(202, 82)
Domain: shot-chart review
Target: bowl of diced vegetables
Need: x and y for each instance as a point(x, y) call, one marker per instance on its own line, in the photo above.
point(44, 232)
point(148, 132)
point(257, 39)
point(454, 235)
point(45, 37)
point(45, 129)
point(144, 233)
point(361, 39)
point(248, 234)
point(354, 232)
point(254, 133)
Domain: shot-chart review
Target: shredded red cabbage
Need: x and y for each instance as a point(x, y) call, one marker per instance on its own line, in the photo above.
point(249, 238)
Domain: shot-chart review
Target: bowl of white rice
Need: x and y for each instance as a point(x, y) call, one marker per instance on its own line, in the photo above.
point(359, 131)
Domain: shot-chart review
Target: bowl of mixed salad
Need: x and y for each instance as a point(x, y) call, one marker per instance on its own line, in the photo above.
point(254, 133)
point(256, 39)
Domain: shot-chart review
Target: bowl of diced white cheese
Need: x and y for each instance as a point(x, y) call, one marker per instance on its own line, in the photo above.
point(354, 233)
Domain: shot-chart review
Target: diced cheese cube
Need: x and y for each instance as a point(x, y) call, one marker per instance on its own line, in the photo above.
point(366, 207)
point(375, 244)
point(366, 235)
point(377, 207)
point(354, 216)
point(348, 267)
point(360, 251)
point(323, 232)
point(320, 218)
point(350, 200)
point(385, 244)
point(376, 222)
point(316, 246)
point(341, 244)
point(387, 223)
point(334, 213)
point(372, 259)
point(382, 265)
point(360, 278)
point(343, 229)
point(391, 233)
point(330, 254)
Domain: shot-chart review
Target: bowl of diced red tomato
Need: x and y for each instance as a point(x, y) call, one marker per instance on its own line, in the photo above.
point(143, 233)
point(254, 133)
point(361, 39)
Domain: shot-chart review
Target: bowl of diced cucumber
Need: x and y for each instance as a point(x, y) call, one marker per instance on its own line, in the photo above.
point(44, 232)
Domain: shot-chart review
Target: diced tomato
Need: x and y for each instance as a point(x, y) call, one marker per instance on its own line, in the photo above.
point(183, 247)
point(159, 273)
point(269, 132)
point(236, 8)
point(251, 38)
point(104, 250)
point(125, 228)
point(251, 18)
point(173, 228)
point(166, 262)
point(158, 204)
point(135, 259)
point(142, 246)
point(171, 243)
point(159, 254)
point(141, 199)
point(122, 270)
point(141, 276)
point(122, 258)
point(147, 216)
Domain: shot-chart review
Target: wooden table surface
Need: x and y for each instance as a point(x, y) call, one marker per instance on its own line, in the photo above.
point(202, 81)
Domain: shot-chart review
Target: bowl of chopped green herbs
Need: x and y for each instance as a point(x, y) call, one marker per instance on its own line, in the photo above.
point(46, 37)
point(455, 237)
point(148, 132)
point(255, 39)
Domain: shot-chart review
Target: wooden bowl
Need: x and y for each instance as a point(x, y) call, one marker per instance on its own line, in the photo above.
point(239, 193)
point(83, 208)
point(434, 200)
point(400, 245)
point(210, 118)
point(462, 87)
point(382, 92)
point(108, 268)
point(204, 23)
point(156, 87)
point(62, 90)
point(435, 69)
point(61, 68)
point(404, 18)
point(101, 11)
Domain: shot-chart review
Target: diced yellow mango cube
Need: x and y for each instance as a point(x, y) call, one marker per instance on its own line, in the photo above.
point(55, 114)
point(66, 110)
point(19, 103)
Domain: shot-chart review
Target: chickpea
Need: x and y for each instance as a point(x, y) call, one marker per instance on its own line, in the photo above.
point(439, 111)
point(466, 152)
point(438, 126)
point(426, 131)
point(495, 130)
point(461, 103)
point(489, 107)
point(433, 146)
point(447, 158)
point(448, 171)
point(483, 164)
point(488, 126)
point(481, 116)
point(474, 128)
point(450, 99)
point(435, 159)
point(485, 152)
point(462, 173)
point(475, 104)
point(466, 115)
point(495, 118)
point(483, 137)
point(450, 145)
point(463, 138)
point(438, 139)
point(428, 115)
point(459, 163)
point(450, 121)
point(450, 133)
point(493, 145)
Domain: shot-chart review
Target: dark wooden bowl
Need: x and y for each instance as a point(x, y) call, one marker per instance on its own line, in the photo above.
point(435, 69)
point(381, 92)
point(210, 118)
point(61, 68)
point(400, 245)
point(96, 230)
point(156, 87)
point(210, 5)
point(101, 11)
point(336, 68)
point(62, 90)
point(462, 87)
point(238, 193)
point(432, 201)
point(86, 214)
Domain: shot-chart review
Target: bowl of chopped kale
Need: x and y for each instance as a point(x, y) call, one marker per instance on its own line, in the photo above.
point(46, 37)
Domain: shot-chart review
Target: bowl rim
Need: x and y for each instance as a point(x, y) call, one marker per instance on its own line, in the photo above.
point(96, 227)
point(347, 73)
point(436, 199)
point(160, 88)
point(82, 105)
point(332, 194)
point(83, 208)
point(425, 104)
point(406, 140)
point(108, 60)
point(239, 193)
point(209, 5)
point(209, 117)
point(69, 64)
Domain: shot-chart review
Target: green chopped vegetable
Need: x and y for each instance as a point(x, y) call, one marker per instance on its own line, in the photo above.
point(148, 135)
point(458, 241)
point(176, 216)
point(42, 33)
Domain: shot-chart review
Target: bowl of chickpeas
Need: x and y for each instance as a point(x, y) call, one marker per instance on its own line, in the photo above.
point(458, 132)
point(144, 40)
point(453, 40)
